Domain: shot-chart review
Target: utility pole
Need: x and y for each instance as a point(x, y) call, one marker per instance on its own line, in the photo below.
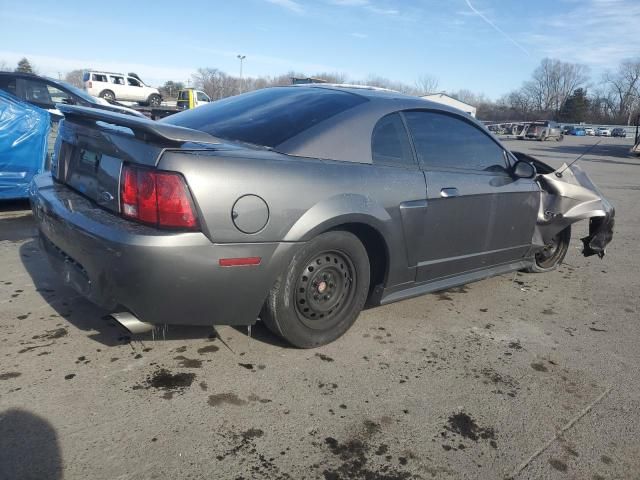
point(241, 58)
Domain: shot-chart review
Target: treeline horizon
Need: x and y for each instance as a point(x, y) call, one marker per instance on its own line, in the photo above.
point(556, 90)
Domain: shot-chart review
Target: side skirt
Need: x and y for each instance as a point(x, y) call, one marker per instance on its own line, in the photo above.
point(450, 282)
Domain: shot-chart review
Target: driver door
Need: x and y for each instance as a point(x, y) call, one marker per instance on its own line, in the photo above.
point(478, 214)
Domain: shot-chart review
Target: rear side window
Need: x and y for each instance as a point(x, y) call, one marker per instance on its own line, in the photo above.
point(37, 92)
point(8, 84)
point(446, 141)
point(86, 76)
point(116, 80)
point(390, 143)
point(267, 117)
point(98, 77)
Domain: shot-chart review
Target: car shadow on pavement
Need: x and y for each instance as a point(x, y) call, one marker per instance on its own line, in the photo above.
point(86, 316)
point(28, 447)
point(261, 333)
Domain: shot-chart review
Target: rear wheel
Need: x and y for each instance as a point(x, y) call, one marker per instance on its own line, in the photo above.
point(154, 100)
point(108, 95)
point(553, 253)
point(319, 296)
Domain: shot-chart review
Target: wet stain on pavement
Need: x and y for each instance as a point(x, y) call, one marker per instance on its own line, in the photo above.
point(539, 367)
point(170, 383)
point(222, 398)
point(464, 425)
point(324, 358)
point(52, 334)
point(354, 462)
point(9, 375)
point(208, 349)
point(188, 362)
point(558, 465)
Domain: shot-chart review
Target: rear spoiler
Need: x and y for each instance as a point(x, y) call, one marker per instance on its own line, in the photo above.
point(141, 128)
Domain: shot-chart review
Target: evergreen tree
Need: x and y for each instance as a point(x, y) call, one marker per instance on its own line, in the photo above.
point(24, 66)
point(576, 108)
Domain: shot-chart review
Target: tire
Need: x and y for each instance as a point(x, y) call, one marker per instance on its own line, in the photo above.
point(548, 259)
point(154, 100)
point(321, 293)
point(108, 95)
point(559, 138)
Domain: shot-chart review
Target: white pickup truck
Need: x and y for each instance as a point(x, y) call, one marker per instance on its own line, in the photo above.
point(118, 86)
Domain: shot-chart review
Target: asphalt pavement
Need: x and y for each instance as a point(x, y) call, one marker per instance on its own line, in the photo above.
point(522, 376)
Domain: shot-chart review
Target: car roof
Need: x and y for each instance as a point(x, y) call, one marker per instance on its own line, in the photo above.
point(347, 136)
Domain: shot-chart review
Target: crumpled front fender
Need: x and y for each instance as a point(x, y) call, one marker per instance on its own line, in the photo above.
point(567, 196)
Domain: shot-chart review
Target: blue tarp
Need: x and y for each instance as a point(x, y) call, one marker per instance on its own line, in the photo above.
point(24, 129)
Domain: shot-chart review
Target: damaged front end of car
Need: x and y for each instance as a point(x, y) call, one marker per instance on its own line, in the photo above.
point(567, 196)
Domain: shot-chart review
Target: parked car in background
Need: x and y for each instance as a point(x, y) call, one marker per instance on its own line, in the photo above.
point(619, 132)
point(589, 131)
point(118, 86)
point(603, 132)
point(566, 130)
point(578, 132)
point(542, 130)
point(45, 92)
point(280, 203)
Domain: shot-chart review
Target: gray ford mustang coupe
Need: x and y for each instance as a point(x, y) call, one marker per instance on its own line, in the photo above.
point(297, 205)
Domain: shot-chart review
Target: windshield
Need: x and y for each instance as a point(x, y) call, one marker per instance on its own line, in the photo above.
point(267, 117)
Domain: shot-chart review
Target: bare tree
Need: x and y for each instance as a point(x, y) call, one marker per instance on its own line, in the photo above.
point(426, 84)
point(215, 83)
point(4, 66)
point(624, 87)
point(74, 77)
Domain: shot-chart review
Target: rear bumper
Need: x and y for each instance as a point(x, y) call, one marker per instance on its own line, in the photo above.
point(161, 277)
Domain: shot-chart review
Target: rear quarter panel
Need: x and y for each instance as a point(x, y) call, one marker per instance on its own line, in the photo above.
point(305, 197)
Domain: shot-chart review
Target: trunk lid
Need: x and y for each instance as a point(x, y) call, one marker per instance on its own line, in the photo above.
point(92, 146)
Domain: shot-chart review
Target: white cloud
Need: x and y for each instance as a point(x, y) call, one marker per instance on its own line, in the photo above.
point(359, 35)
point(599, 33)
point(366, 4)
point(290, 5)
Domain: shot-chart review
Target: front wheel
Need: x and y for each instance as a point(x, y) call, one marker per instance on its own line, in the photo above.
point(322, 291)
point(553, 253)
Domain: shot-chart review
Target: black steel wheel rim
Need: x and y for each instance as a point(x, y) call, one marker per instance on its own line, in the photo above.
point(324, 289)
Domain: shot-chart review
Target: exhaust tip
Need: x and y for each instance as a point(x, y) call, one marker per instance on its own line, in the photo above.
point(131, 323)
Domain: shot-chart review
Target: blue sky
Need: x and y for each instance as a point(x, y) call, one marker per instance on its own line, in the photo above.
point(487, 46)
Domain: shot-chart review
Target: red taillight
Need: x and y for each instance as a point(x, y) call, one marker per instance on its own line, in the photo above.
point(157, 198)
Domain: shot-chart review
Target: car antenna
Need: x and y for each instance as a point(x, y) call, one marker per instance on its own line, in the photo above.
point(559, 174)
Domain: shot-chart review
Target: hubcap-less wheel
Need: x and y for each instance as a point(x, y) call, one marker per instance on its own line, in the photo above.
point(323, 289)
point(108, 96)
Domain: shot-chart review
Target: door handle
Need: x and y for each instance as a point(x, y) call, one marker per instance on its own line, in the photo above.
point(449, 192)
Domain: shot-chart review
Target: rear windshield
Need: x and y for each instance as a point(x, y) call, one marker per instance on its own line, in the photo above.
point(267, 117)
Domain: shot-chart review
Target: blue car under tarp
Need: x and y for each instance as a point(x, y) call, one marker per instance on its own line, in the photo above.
point(24, 129)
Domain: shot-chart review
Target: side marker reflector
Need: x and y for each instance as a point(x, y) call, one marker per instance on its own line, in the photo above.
point(239, 262)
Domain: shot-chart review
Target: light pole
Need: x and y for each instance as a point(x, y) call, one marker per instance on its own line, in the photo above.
point(241, 58)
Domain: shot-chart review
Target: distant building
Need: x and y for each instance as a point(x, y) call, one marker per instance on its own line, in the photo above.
point(445, 99)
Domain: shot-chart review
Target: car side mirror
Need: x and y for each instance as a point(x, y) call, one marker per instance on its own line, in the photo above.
point(523, 170)
point(68, 101)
